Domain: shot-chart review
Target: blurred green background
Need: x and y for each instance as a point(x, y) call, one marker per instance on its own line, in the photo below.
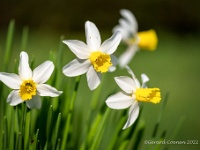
point(174, 67)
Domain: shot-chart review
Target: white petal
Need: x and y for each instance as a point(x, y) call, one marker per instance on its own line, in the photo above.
point(76, 67)
point(126, 25)
point(47, 90)
point(11, 80)
point(125, 33)
point(145, 79)
point(35, 102)
point(130, 71)
point(135, 80)
point(114, 61)
point(14, 98)
point(112, 68)
point(93, 78)
point(137, 83)
point(24, 70)
point(93, 37)
point(110, 45)
point(119, 100)
point(126, 84)
point(131, 18)
point(127, 56)
point(133, 114)
point(80, 49)
point(43, 72)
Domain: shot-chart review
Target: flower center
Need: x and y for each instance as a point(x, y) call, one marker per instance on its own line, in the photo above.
point(148, 95)
point(100, 61)
point(148, 40)
point(27, 89)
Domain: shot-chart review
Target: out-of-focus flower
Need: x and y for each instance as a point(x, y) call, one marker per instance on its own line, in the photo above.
point(94, 58)
point(29, 85)
point(132, 93)
point(135, 40)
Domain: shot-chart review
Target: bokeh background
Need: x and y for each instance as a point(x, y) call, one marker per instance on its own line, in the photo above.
point(174, 66)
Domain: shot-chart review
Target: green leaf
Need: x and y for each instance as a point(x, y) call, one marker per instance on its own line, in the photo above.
point(55, 134)
point(5, 134)
point(24, 38)
point(9, 43)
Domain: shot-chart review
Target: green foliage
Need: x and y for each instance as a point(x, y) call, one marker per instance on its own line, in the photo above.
point(78, 119)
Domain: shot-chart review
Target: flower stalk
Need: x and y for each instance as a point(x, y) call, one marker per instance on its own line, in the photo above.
point(70, 113)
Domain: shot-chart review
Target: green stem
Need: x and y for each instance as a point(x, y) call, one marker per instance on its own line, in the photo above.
point(12, 130)
point(100, 130)
point(160, 115)
point(69, 115)
point(95, 95)
point(56, 131)
point(57, 76)
point(36, 140)
point(5, 137)
point(60, 53)
point(22, 125)
point(49, 124)
point(27, 131)
point(92, 111)
point(19, 141)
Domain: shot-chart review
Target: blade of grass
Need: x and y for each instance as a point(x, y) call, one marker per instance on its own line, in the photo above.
point(99, 132)
point(27, 131)
point(49, 123)
point(19, 141)
point(57, 76)
point(36, 140)
point(17, 126)
point(94, 128)
point(177, 127)
point(5, 135)
point(2, 136)
point(58, 145)
point(9, 43)
point(34, 143)
point(12, 129)
point(25, 33)
point(124, 145)
point(93, 111)
point(55, 135)
point(137, 137)
point(126, 135)
point(69, 115)
point(116, 134)
point(60, 53)
point(22, 126)
point(160, 115)
point(96, 94)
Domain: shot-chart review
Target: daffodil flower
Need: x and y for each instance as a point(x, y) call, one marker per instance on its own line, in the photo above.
point(29, 85)
point(93, 58)
point(132, 93)
point(135, 40)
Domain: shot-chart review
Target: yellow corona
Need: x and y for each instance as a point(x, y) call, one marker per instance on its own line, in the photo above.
point(148, 40)
point(100, 61)
point(148, 95)
point(27, 89)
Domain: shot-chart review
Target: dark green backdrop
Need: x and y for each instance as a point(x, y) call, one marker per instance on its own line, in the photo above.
point(177, 15)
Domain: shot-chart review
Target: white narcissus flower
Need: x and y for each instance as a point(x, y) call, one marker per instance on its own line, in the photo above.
point(132, 93)
point(93, 58)
point(135, 40)
point(29, 85)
